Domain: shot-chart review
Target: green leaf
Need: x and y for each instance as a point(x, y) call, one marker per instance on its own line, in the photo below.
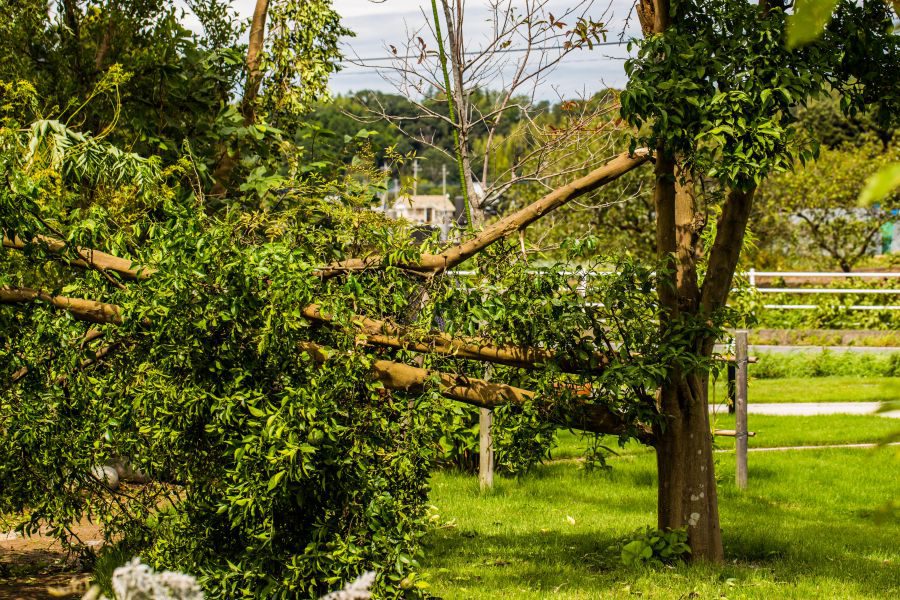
point(808, 21)
point(880, 185)
point(273, 481)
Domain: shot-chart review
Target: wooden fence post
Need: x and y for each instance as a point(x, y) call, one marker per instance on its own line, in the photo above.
point(486, 449)
point(742, 361)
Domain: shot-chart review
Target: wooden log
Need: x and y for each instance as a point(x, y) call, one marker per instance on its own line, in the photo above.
point(89, 257)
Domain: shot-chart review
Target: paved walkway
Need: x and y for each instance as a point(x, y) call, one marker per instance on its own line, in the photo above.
point(786, 409)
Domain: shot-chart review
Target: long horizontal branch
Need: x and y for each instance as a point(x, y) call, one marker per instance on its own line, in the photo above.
point(428, 263)
point(477, 392)
point(89, 257)
point(384, 333)
point(84, 310)
point(380, 333)
point(437, 263)
point(587, 416)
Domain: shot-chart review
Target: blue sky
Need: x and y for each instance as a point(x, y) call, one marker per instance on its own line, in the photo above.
point(383, 22)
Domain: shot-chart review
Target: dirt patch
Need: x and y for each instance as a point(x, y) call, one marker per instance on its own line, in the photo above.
point(31, 566)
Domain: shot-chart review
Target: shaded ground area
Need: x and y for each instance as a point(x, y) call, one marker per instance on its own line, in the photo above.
point(810, 525)
point(30, 566)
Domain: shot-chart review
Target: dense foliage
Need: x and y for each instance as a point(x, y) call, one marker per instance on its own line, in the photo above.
point(276, 468)
point(288, 447)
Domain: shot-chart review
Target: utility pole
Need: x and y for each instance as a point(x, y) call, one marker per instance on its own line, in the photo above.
point(415, 176)
point(444, 179)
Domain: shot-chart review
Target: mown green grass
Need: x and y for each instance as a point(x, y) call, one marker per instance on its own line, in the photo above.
point(771, 432)
point(804, 529)
point(815, 389)
point(819, 430)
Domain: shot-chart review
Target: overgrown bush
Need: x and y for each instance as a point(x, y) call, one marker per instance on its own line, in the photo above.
point(279, 465)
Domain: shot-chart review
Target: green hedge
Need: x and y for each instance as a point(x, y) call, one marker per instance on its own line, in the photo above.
point(773, 365)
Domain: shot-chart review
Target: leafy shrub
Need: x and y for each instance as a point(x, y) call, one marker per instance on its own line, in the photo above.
point(775, 365)
point(656, 547)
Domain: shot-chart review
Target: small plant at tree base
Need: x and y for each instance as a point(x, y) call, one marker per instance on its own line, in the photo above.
point(656, 547)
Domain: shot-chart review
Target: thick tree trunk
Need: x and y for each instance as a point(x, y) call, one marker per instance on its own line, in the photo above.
point(687, 484)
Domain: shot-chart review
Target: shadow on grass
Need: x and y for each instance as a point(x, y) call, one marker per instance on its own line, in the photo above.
point(589, 562)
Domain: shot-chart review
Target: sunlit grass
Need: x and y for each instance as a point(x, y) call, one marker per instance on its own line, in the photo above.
point(803, 529)
point(816, 389)
point(770, 432)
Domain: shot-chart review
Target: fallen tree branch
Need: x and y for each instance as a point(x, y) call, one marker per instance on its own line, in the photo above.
point(476, 392)
point(384, 333)
point(90, 258)
point(84, 310)
point(431, 264)
point(587, 416)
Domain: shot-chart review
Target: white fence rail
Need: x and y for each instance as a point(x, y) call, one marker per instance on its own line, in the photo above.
point(752, 275)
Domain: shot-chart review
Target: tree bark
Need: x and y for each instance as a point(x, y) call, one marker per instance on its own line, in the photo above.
point(227, 161)
point(687, 486)
point(254, 57)
point(686, 496)
point(91, 258)
point(84, 310)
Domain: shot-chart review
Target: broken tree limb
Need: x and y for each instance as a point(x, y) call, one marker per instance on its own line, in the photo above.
point(431, 264)
point(90, 257)
point(384, 333)
point(587, 416)
point(84, 310)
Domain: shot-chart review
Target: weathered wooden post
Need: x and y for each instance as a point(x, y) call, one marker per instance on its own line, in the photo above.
point(485, 449)
point(742, 361)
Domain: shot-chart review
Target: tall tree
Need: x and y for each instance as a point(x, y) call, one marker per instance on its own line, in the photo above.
point(528, 42)
point(717, 91)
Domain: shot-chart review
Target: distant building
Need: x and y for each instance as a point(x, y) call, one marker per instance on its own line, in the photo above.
point(436, 211)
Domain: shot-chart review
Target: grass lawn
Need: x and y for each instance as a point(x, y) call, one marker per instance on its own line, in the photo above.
point(770, 432)
point(802, 530)
point(816, 389)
